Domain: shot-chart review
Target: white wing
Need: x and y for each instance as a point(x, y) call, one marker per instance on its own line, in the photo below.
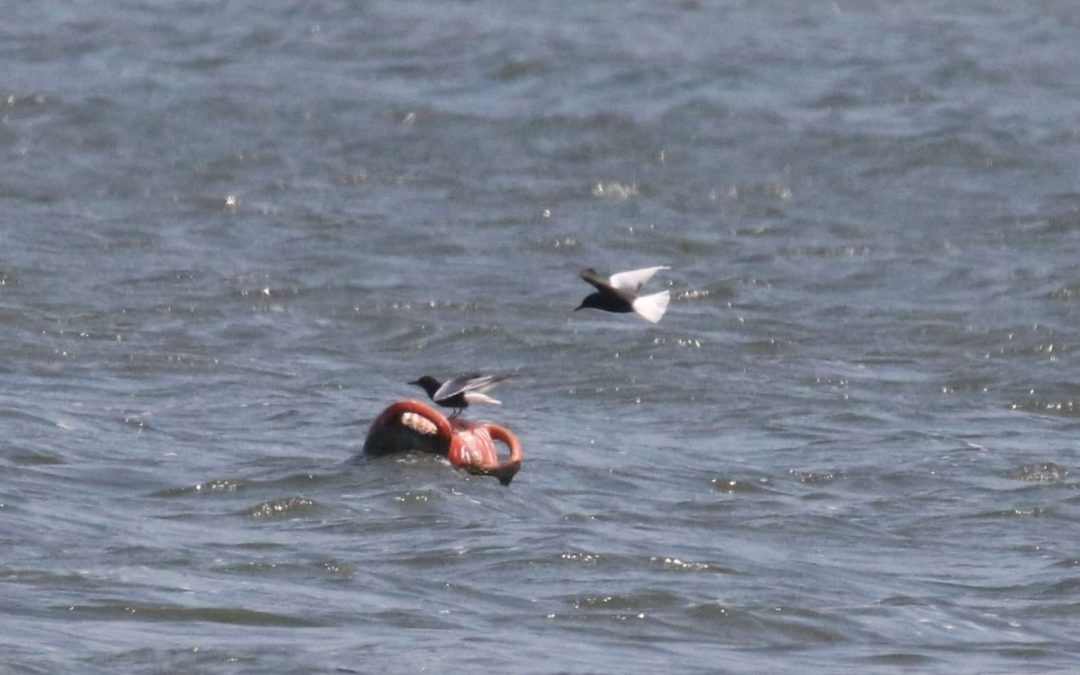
point(477, 397)
point(652, 307)
point(634, 279)
point(467, 384)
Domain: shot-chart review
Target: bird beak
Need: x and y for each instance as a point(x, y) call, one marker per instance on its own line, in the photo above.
point(416, 382)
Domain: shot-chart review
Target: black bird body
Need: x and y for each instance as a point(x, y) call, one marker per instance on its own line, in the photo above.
point(606, 297)
point(619, 293)
point(462, 391)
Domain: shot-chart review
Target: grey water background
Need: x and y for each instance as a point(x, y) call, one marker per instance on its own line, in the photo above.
point(231, 231)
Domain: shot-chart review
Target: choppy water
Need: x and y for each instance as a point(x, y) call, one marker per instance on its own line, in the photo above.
point(232, 231)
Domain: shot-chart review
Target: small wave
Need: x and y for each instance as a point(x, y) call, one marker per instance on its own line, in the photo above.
point(238, 616)
point(1043, 472)
point(623, 607)
point(770, 625)
point(1068, 408)
point(1067, 292)
point(27, 457)
point(816, 477)
point(680, 565)
point(733, 485)
point(207, 487)
point(330, 569)
point(282, 509)
point(616, 190)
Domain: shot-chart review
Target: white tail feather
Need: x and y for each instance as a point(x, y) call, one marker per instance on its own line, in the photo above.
point(652, 307)
point(478, 397)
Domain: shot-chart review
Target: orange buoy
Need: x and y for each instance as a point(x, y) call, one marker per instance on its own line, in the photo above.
point(413, 425)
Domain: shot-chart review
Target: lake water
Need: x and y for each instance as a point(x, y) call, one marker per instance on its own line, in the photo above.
point(231, 231)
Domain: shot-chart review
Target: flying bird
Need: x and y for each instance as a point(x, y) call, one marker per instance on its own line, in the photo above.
point(619, 293)
point(462, 391)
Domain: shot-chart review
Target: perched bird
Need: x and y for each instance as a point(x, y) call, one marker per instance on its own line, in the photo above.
point(461, 391)
point(618, 293)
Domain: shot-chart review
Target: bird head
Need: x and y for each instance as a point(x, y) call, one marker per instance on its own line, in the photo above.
point(594, 300)
point(428, 384)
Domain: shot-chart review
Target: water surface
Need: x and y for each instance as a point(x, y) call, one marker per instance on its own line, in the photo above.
point(233, 231)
